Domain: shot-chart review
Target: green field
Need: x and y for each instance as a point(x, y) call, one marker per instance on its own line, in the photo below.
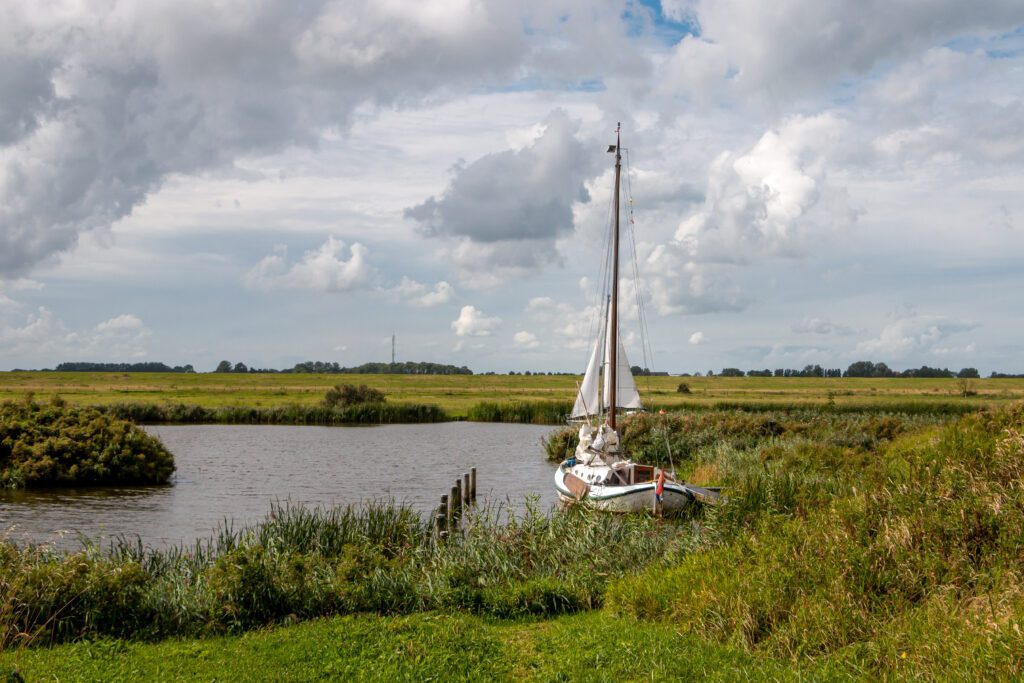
point(456, 394)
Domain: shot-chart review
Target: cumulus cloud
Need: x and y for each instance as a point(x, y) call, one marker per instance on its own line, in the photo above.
point(782, 50)
point(507, 208)
point(576, 327)
point(525, 340)
point(43, 335)
point(697, 338)
point(417, 294)
point(473, 323)
point(99, 104)
point(322, 270)
point(910, 334)
point(773, 200)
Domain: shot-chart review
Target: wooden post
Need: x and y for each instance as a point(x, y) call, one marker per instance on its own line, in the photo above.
point(453, 509)
point(472, 484)
point(465, 487)
point(458, 500)
point(441, 521)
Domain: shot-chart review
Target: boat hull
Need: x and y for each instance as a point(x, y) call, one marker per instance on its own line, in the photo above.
point(627, 498)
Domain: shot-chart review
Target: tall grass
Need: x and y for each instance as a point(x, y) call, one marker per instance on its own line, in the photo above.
point(302, 563)
point(520, 412)
point(872, 558)
point(678, 437)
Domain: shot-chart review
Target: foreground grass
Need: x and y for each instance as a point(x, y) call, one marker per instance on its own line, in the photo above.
point(457, 395)
point(587, 647)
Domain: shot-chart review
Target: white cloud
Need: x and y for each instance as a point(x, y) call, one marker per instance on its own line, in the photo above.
point(525, 340)
point(44, 336)
point(473, 323)
point(911, 335)
point(322, 270)
point(697, 338)
point(821, 326)
point(417, 294)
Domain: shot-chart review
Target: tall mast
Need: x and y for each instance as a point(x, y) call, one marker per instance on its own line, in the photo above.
point(613, 337)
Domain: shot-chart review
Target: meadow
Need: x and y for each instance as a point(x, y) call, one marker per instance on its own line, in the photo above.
point(457, 395)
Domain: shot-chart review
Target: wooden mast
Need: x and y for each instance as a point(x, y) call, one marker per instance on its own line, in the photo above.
point(613, 337)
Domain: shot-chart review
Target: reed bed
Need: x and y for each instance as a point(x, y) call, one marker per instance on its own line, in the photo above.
point(520, 412)
point(862, 559)
point(303, 563)
point(676, 438)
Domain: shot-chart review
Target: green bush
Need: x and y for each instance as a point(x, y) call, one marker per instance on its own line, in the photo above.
point(345, 395)
point(57, 445)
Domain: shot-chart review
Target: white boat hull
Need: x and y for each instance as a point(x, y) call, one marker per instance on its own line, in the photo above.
point(625, 498)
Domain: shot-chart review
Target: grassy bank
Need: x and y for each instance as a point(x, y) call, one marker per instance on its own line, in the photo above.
point(860, 546)
point(457, 394)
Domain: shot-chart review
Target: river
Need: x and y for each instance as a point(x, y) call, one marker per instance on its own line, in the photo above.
point(230, 472)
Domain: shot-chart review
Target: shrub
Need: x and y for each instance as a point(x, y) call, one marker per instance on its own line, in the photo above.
point(57, 445)
point(345, 395)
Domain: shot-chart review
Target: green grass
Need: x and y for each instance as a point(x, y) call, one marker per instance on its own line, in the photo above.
point(458, 394)
point(588, 647)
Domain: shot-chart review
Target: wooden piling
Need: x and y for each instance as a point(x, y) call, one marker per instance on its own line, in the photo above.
point(458, 501)
point(453, 506)
point(465, 487)
point(472, 485)
point(441, 520)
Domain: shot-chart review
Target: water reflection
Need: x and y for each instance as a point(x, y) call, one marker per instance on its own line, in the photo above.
point(236, 472)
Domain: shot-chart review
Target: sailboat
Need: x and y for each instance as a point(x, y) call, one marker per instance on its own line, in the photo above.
point(599, 471)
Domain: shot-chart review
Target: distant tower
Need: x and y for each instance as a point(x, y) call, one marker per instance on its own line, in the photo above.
point(392, 348)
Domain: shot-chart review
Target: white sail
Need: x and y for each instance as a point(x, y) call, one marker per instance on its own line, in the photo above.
point(626, 395)
point(587, 401)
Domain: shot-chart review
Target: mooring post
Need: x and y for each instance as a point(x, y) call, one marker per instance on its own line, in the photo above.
point(458, 501)
point(465, 487)
point(472, 484)
point(441, 521)
point(452, 509)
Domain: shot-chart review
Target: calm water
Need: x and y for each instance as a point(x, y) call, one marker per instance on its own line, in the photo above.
point(236, 472)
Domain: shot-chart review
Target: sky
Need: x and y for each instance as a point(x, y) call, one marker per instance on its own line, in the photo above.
point(269, 182)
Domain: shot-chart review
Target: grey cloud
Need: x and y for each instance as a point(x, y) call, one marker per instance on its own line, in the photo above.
point(524, 194)
point(782, 50)
point(97, 109)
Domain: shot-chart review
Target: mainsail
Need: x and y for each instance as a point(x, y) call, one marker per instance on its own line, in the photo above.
point(592, 402)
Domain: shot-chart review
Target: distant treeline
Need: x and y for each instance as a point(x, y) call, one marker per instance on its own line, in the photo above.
point(122, 367)
point(863, 368)
point(329, 368)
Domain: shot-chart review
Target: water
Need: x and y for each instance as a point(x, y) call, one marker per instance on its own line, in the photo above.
point(236, 472)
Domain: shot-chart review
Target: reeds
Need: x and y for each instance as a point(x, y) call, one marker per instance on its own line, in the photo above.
point(318, 415)
point(520, 412)
point(302, 563)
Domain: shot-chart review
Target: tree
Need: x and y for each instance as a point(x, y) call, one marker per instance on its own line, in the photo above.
point(240, 367)
point(223, 366)
point(968, 373)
